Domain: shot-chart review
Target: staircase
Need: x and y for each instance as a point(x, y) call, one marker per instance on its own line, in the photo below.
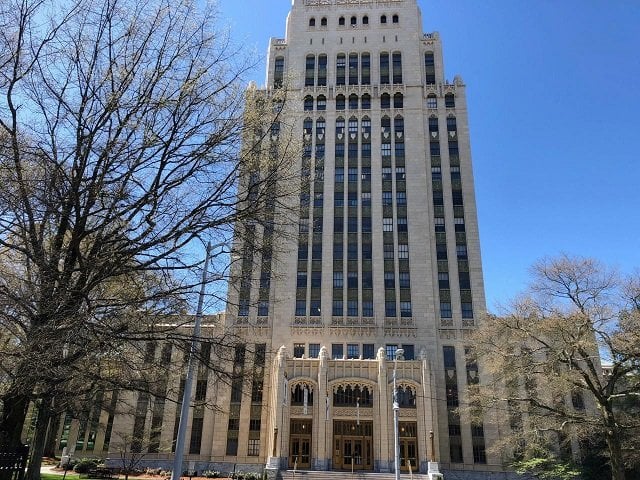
point(344, 475)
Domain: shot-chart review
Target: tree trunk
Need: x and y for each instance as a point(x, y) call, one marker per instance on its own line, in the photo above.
point(14, 413)
point(615, 453)
point(50, 442)
point(39, 439)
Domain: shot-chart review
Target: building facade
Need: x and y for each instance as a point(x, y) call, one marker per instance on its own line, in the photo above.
point(384, 256)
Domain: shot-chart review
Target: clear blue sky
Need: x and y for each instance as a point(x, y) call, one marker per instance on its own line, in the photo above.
point(553, 91)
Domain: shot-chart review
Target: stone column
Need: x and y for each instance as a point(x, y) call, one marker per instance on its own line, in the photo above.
point(278, 396)
point(320, 399)
point(382, 449)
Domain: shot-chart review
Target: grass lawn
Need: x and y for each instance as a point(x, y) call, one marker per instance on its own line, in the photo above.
point(55, 476)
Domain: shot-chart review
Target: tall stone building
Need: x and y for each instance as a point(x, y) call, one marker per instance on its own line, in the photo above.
point(385, 255)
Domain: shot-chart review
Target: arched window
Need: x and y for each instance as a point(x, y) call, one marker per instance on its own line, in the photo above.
point(433, 126)
point(310, 71)
point(383, 19)
point(353, 101)
point(340, 102)
point(451, 124)
point(365, 102)
point(449, 100)
point(297, 395)
point(365, 20)
point(406, 397)
point(307, 125)
point(366, 125)
point(278, 72)
point(385, 122)
point(339, 126)
point(323, 22)
point(397, 67)
point(321, 103)
point(308, 103)
point(395, 19)
point(320, 126)
point(341, 21)
point(432, 101)
point(398, 124)
point(385, 100)
point(322, 70)
point(365, 67)
point(384, 68)
point(353, 125)
point(312, 22)
point(353, 69)
point(397, 100)
point(354, 21)
point(341, 63)
point(352, 396)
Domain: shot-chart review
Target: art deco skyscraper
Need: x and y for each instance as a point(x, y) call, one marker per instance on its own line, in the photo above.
point(385, 254)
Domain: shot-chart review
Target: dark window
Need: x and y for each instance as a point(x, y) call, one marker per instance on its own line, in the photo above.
point(308, 104)
point(312, 22)
point(398, 100)
point(352, 308)
point(367, 279)
point(365, 20)
point(385, 101)
point(298, 350)
point(433, 124)
point(352, 277)
point(323, 22)
point(314, 350)
point(367, 308)
point(353, 68)
point(395, 19)
point(301, 307)
point(397, 66)
point(366, 101)
point(321, 103)
point(354, 21)
point(340, 102)
point(449, 100)
point(365, 63)
point(353, 101)
point(467, 310)
point(341, 64)
point(389, 280)
point(338, 251)
point(445, 309)
point(278, 74)
point(309, 76)
point(338, 224)
point(430, 74)
point(314, 310)
point(390, 308)
point(341, 21)
point(451, 124)
point(337, 351)
point(384, 68)
point(368, 351)
point(383, 19)
point(322, 70)
point(338, 308)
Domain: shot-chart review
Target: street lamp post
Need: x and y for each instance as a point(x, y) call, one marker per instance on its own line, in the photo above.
point(396, 407)
point(188, 383)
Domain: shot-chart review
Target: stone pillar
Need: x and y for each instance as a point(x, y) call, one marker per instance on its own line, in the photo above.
point(278, 396)
point(323, 460)
point(383, 460)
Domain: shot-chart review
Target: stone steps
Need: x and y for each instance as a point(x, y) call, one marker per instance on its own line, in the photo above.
point(344, 475)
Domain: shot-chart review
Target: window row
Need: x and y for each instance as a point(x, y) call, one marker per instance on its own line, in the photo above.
point(353, 20)
point(449, 101)
point(353, 69)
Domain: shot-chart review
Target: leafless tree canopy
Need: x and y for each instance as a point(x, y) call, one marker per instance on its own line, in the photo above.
point(120, 130)
point(543, 357)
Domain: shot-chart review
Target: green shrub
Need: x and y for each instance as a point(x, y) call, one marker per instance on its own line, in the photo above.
point(84, 465)
point(212, 474)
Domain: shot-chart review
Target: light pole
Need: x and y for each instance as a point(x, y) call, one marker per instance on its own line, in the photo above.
point(188, 383)
point(396, 407)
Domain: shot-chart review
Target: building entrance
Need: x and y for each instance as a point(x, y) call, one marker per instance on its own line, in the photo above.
point(408, 446)
point(352, 445)
point(300, 444)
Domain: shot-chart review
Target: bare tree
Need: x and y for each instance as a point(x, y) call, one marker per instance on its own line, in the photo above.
point(544, 357)
point(120, 126)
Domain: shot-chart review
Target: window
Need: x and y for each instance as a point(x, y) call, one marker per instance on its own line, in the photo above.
point(443, 280)
point(400, 173)
point(389, 280)
point(429, 70)
point(366, 101)
point(354, 21)
point(316, 279)
point(385, 101)
point(365, 20)
point(401, 198)
point(310, 67)
point(365, 174)
point(384, 68)
point(263, 308)
point(353, 127)
point(303, 226)
point(353, 68)
point(434, 148)
point(340, 103)
point(439, 224)
point(298, 350)
point(467, 310)
point(316, 250)
point(338, 224)
point(232, 446)
point(308, 104)
point(397, 67)
point(387, 198)
point(353, 350)
point(390, 308)
point(461, 252)
point(367, 279)
point(314, 350)
point(404, 280)
point(301, 307)
point(395, 19)
point(303, 251)
point(338, 281)
point(366, 199)
point(337, 309)
point(352, 308)
point(391, 350)
point(387, 173)
point(367, 308)
point(314, 310)
point(432, 101)
point(388, 251)
point(403, 250)
point(368, 351)
point(278, 72)
point(383, 19)
point(405, 309)
point(353, 102)
point(353, 176)
point(341, 64)
point(318, 199)
point(433, 125)
point(322, 70)
point(449, 100)
point(451, 124)
point(352, 222)
point(312, 22)
point(366, 224)
point(337, 351)
point(365, 64)
point(321, 103)
point(366, 249)
point(337, 250)
point(445, 310)
point(323, 22)
point(341, 21)
point(464, 280)
point(352, 277)
point(339, 175)
point(397, 103)
point(253, 450)
point(402, 224)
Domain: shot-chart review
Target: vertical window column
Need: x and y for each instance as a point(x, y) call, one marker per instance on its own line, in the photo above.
point(477, 427)
point(389, 246)
point(384, 68)
point(310, 71)
point(338, 221)
point(237, 382)
point(451, 389)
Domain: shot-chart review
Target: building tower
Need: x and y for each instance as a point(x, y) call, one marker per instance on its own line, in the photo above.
point(385, 254)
